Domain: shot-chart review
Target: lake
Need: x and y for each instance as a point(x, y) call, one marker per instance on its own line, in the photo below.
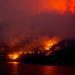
point(17, 68)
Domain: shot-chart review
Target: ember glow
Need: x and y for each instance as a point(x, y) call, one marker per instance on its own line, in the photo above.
point(40, 45)
point(49, 43)
point(13, 56)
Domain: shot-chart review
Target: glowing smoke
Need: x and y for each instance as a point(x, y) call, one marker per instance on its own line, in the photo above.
point(33, 18)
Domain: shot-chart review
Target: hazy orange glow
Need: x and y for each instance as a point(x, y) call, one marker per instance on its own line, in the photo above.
point(12, 42)
point(57, 5)
point(49, 43)
point(72, 6)
point(60, 6)
point(13, 56)
point(14, 63)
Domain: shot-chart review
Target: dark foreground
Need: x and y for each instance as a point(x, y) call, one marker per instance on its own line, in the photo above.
point(16, 68)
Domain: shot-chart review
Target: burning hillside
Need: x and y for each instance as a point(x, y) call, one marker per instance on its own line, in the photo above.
point(43, 43)
point(18, 47)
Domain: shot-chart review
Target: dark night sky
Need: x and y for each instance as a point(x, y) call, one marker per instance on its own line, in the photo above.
point(37, 18)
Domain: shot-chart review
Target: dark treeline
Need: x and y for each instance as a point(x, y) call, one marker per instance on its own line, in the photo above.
point(65, 55)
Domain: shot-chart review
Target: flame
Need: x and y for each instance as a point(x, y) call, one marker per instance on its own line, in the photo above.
point(49, 43)
point(13, 56)
point(42, 44)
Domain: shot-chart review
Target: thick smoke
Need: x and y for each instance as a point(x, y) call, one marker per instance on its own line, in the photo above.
point(30, 18)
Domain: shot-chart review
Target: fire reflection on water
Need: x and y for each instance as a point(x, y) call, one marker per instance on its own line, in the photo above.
point(49, 70)
point(14, 68)
point(18, 68)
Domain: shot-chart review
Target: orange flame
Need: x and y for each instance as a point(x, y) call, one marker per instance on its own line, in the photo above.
point(49, 43)
point(13, 56)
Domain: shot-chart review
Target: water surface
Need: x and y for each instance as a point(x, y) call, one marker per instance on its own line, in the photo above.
point(16, 68)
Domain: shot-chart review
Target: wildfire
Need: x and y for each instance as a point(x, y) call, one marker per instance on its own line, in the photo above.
point(50, 42)
point(41, 45)
point(13, 56)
